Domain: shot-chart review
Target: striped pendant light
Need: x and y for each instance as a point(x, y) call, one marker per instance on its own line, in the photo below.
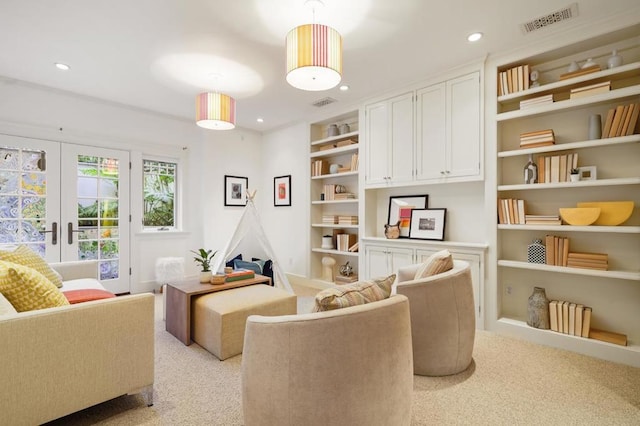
point(314, 57)
point(215, 111)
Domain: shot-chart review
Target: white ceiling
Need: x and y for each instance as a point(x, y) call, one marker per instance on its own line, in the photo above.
point(159, 54)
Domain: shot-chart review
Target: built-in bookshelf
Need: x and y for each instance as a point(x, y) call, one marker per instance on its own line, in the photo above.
point(334, 193)
point(614, 294)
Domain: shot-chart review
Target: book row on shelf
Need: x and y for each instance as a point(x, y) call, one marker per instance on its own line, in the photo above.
point(574, 319)
point(555, 252)
point(334, 192)
point(346, 242)
point(556, 168)
point(513, 80)
point(621, 120)
point(322, 167)
point(339, 144)
point(569, 318)
point(512, 212)
point(537, 101)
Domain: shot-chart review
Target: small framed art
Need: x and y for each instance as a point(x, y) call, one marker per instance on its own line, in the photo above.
point(428, 224)
point(235, 190)
point(400, 210)
point(282, 191)
point(588, 172)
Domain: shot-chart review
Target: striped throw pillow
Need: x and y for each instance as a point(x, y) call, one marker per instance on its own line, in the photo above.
point(437, 263)
point(354, 294)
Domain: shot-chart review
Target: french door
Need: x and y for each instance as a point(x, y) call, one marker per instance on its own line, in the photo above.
point(67, 202)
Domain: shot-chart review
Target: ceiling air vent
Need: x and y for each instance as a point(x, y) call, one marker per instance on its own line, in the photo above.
point(561, 15)
point(323, 102)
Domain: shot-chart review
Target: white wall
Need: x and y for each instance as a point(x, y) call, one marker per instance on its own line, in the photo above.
point(286, 152)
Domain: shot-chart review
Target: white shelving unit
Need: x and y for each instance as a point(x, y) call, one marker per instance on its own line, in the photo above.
point(614, 294)
point(324, 148)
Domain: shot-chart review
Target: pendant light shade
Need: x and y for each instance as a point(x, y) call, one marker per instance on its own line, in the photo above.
point(314, 57)
point(215, 111)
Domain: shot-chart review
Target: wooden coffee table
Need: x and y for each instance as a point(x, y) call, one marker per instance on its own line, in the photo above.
point(179, 297)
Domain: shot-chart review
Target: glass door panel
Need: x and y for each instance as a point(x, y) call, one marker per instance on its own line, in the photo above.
point(30, 195)
point(97, 212)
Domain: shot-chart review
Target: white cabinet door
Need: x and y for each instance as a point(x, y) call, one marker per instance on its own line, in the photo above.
point(381, 261)
point(463, 147)
point(400, 257)
point(431, 133)
point(402, 152)
point(376, 261)
point(377, 143)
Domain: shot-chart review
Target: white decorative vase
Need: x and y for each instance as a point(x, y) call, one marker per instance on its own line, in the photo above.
point(205, 276)
point(595, 126)
point(327, 242)
point(614, 60)
point(574, 178)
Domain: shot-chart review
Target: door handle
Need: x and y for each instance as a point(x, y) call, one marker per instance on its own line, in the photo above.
point(54, 233)
point(70, 232)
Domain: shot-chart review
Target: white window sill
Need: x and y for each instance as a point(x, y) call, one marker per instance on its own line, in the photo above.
point(159, 234)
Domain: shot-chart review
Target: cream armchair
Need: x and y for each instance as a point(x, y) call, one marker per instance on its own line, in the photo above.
point(442, 318)
point(350, 366)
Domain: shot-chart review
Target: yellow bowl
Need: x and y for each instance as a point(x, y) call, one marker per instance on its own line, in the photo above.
point(580, 216)
point(612, 212)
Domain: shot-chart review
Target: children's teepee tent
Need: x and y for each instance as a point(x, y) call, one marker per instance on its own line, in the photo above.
point(250, 220)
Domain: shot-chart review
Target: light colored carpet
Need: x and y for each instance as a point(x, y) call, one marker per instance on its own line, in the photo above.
point(510, 382)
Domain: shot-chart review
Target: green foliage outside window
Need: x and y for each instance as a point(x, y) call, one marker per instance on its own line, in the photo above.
point(159, 194)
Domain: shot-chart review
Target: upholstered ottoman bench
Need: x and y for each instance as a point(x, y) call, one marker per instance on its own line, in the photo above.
point(219, 319)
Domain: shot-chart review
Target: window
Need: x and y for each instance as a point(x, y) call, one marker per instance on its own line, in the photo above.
point(159, 183)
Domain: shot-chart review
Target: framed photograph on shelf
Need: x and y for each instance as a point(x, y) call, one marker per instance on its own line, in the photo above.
point(588, 172)
point(282, 191)
point(428, 224)
point(235, 190)
point(400, 210)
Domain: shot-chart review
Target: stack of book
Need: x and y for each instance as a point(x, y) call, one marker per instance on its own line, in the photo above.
point(513, 80)
point(511, 211)
point(542, 219)
point(537, 138)
point(329, 219)
point(556, 250)
point(346, 142)
point(556, 168)
point(345, 241)
point(598, 261)
point(570, 318)
point(341, 279)
point(347, 220)
point(592, 89)
point(239, 274)
point(621, 121)
point(538, 101)
point(579, 72)
point(319, 168)
point(354, 247)
point(344, 196)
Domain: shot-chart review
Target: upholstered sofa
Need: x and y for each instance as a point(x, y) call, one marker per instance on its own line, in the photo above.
point(60, 360)
point(348, 366)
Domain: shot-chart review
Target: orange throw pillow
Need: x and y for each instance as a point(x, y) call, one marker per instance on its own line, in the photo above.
point(85, 295)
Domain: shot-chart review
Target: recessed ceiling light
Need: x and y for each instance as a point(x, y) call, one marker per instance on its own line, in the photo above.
point(63, 67)
point(260, 120)
point(474, 37)
point(344, 87)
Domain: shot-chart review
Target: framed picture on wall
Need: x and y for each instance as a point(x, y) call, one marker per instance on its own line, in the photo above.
point(235, 190)
point(282, 191)
point(428, 224)
point(400, 210)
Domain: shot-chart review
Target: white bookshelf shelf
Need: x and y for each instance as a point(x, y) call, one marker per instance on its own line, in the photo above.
point(623, 275)
point(580, 184)
point(353, 148)
point(334, 225)
point(343, 253)
point(571, 228)
point(572, 145)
